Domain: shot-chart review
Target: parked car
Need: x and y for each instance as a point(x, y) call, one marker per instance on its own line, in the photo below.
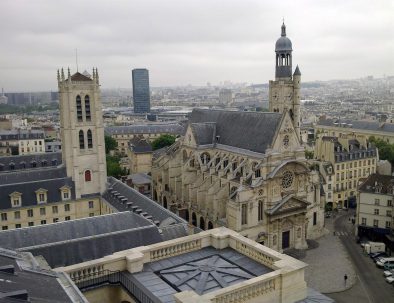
point(389, 265)
point(383, 261)
point(390, 279)
point(388, 273)
point(383, 256)
point(376, 254)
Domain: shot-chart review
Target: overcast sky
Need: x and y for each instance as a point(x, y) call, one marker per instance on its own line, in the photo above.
point(191, 42)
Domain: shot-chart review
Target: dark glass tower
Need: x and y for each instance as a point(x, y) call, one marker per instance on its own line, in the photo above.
point(141, 94)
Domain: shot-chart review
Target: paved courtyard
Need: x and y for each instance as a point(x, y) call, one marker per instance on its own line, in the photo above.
point(328, 263)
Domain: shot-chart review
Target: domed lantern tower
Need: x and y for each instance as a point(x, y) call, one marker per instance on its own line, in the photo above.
point(283, 50)
point(284, 92)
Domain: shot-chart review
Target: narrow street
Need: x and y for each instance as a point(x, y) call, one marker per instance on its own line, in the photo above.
point(370, 286)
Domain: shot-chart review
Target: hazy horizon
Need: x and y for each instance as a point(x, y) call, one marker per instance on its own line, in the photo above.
point(191, 42)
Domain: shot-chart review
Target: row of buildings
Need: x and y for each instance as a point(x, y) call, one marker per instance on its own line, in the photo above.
point(108, 242)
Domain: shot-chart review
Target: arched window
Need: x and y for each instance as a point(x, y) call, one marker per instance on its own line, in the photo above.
point(87, 108)
point(12, 166)
point(202, 223)
point(261, 211)
point(205, 158)
point(194, 219)
point(210, 225)
point(81, 140)
point(88, 176)
point(90, 140)
point(79, 108)
point(165, 202)
point(184, 155)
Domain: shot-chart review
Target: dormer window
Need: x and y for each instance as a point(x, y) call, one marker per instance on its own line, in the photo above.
point(41, 195)
point(16, 199)
point(65, 192)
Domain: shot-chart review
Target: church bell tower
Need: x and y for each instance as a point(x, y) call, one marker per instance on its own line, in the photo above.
point(82, 131)
point(284, 92)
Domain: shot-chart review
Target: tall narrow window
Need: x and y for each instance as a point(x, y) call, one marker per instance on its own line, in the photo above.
point(87, 108)
point(88, 176)
point(81, 140)
point(79, 108)
point(90, 140)
point(260, 211)
point(244, 214)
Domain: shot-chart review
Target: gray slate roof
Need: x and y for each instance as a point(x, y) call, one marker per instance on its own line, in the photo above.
point(25, 161)
point(173, 128)
point(34, 284)
point(359, 124)
point(376, 183)
point(172, 226)
point(27, 182)
point(252, 131)
point(160, 280)
point(204, 132)
point(76, 241)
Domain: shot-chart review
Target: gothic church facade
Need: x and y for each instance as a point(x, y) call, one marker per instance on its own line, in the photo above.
point(246, 170)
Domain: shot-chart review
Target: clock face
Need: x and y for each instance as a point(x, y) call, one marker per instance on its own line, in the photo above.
point(287, 179)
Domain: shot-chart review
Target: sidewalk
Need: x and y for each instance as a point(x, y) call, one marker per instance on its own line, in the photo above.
point(328, 263)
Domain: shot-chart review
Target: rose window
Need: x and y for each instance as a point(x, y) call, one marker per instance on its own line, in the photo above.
point(287, 179)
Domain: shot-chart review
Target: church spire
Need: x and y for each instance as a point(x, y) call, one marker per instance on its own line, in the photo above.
point(283, 34)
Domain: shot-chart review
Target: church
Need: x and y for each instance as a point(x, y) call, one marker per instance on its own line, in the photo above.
point(246, 170)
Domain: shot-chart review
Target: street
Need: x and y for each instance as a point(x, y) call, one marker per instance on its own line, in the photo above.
point(370, 286)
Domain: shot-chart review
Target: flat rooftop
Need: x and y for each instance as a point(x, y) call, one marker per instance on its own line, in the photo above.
point(202, 271)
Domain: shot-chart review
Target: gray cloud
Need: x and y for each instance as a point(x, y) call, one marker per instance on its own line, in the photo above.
point(192, 41)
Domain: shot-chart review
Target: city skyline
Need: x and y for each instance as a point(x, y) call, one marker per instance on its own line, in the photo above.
point(191, 43)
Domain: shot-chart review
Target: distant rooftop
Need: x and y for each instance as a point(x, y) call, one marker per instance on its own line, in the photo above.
point(358, 124)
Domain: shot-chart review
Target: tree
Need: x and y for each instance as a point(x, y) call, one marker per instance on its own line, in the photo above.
point(110, 144)
point(308, 154)
point(386, 150)
point(113, 167)
point(162, 141)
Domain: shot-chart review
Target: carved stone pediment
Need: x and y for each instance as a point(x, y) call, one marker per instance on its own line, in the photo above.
point(289, 204)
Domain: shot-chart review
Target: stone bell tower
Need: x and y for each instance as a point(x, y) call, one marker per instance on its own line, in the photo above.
point(82, 131)
point(284, 92)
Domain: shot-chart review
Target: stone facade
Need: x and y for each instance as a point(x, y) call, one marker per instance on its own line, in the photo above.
point(345, 160)
point(245, 171)
point(82, 132)
point(284, 283)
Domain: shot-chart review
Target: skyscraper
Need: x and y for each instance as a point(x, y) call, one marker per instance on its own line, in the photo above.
point(141, 94)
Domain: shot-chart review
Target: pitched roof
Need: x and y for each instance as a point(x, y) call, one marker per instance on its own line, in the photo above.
point(27, 282)
point(27, 182)
point(92, 237)
point(41, 160)
point(376, 183)
point(204, 133)
point(80, 77)
point(253, 131)
point(358, 124)
point(157, 128)
point(140, 145)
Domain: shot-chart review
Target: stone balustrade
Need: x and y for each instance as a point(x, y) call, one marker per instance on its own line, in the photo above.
point(284, 284)
point(174, 250)
point(87, 273)
point(240, 294)
point(255, 254)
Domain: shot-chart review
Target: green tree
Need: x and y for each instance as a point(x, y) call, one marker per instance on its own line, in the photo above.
point(309, 154)
point(113, 167)
point(162, 141)
point(110, 144)
point(386, 150)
